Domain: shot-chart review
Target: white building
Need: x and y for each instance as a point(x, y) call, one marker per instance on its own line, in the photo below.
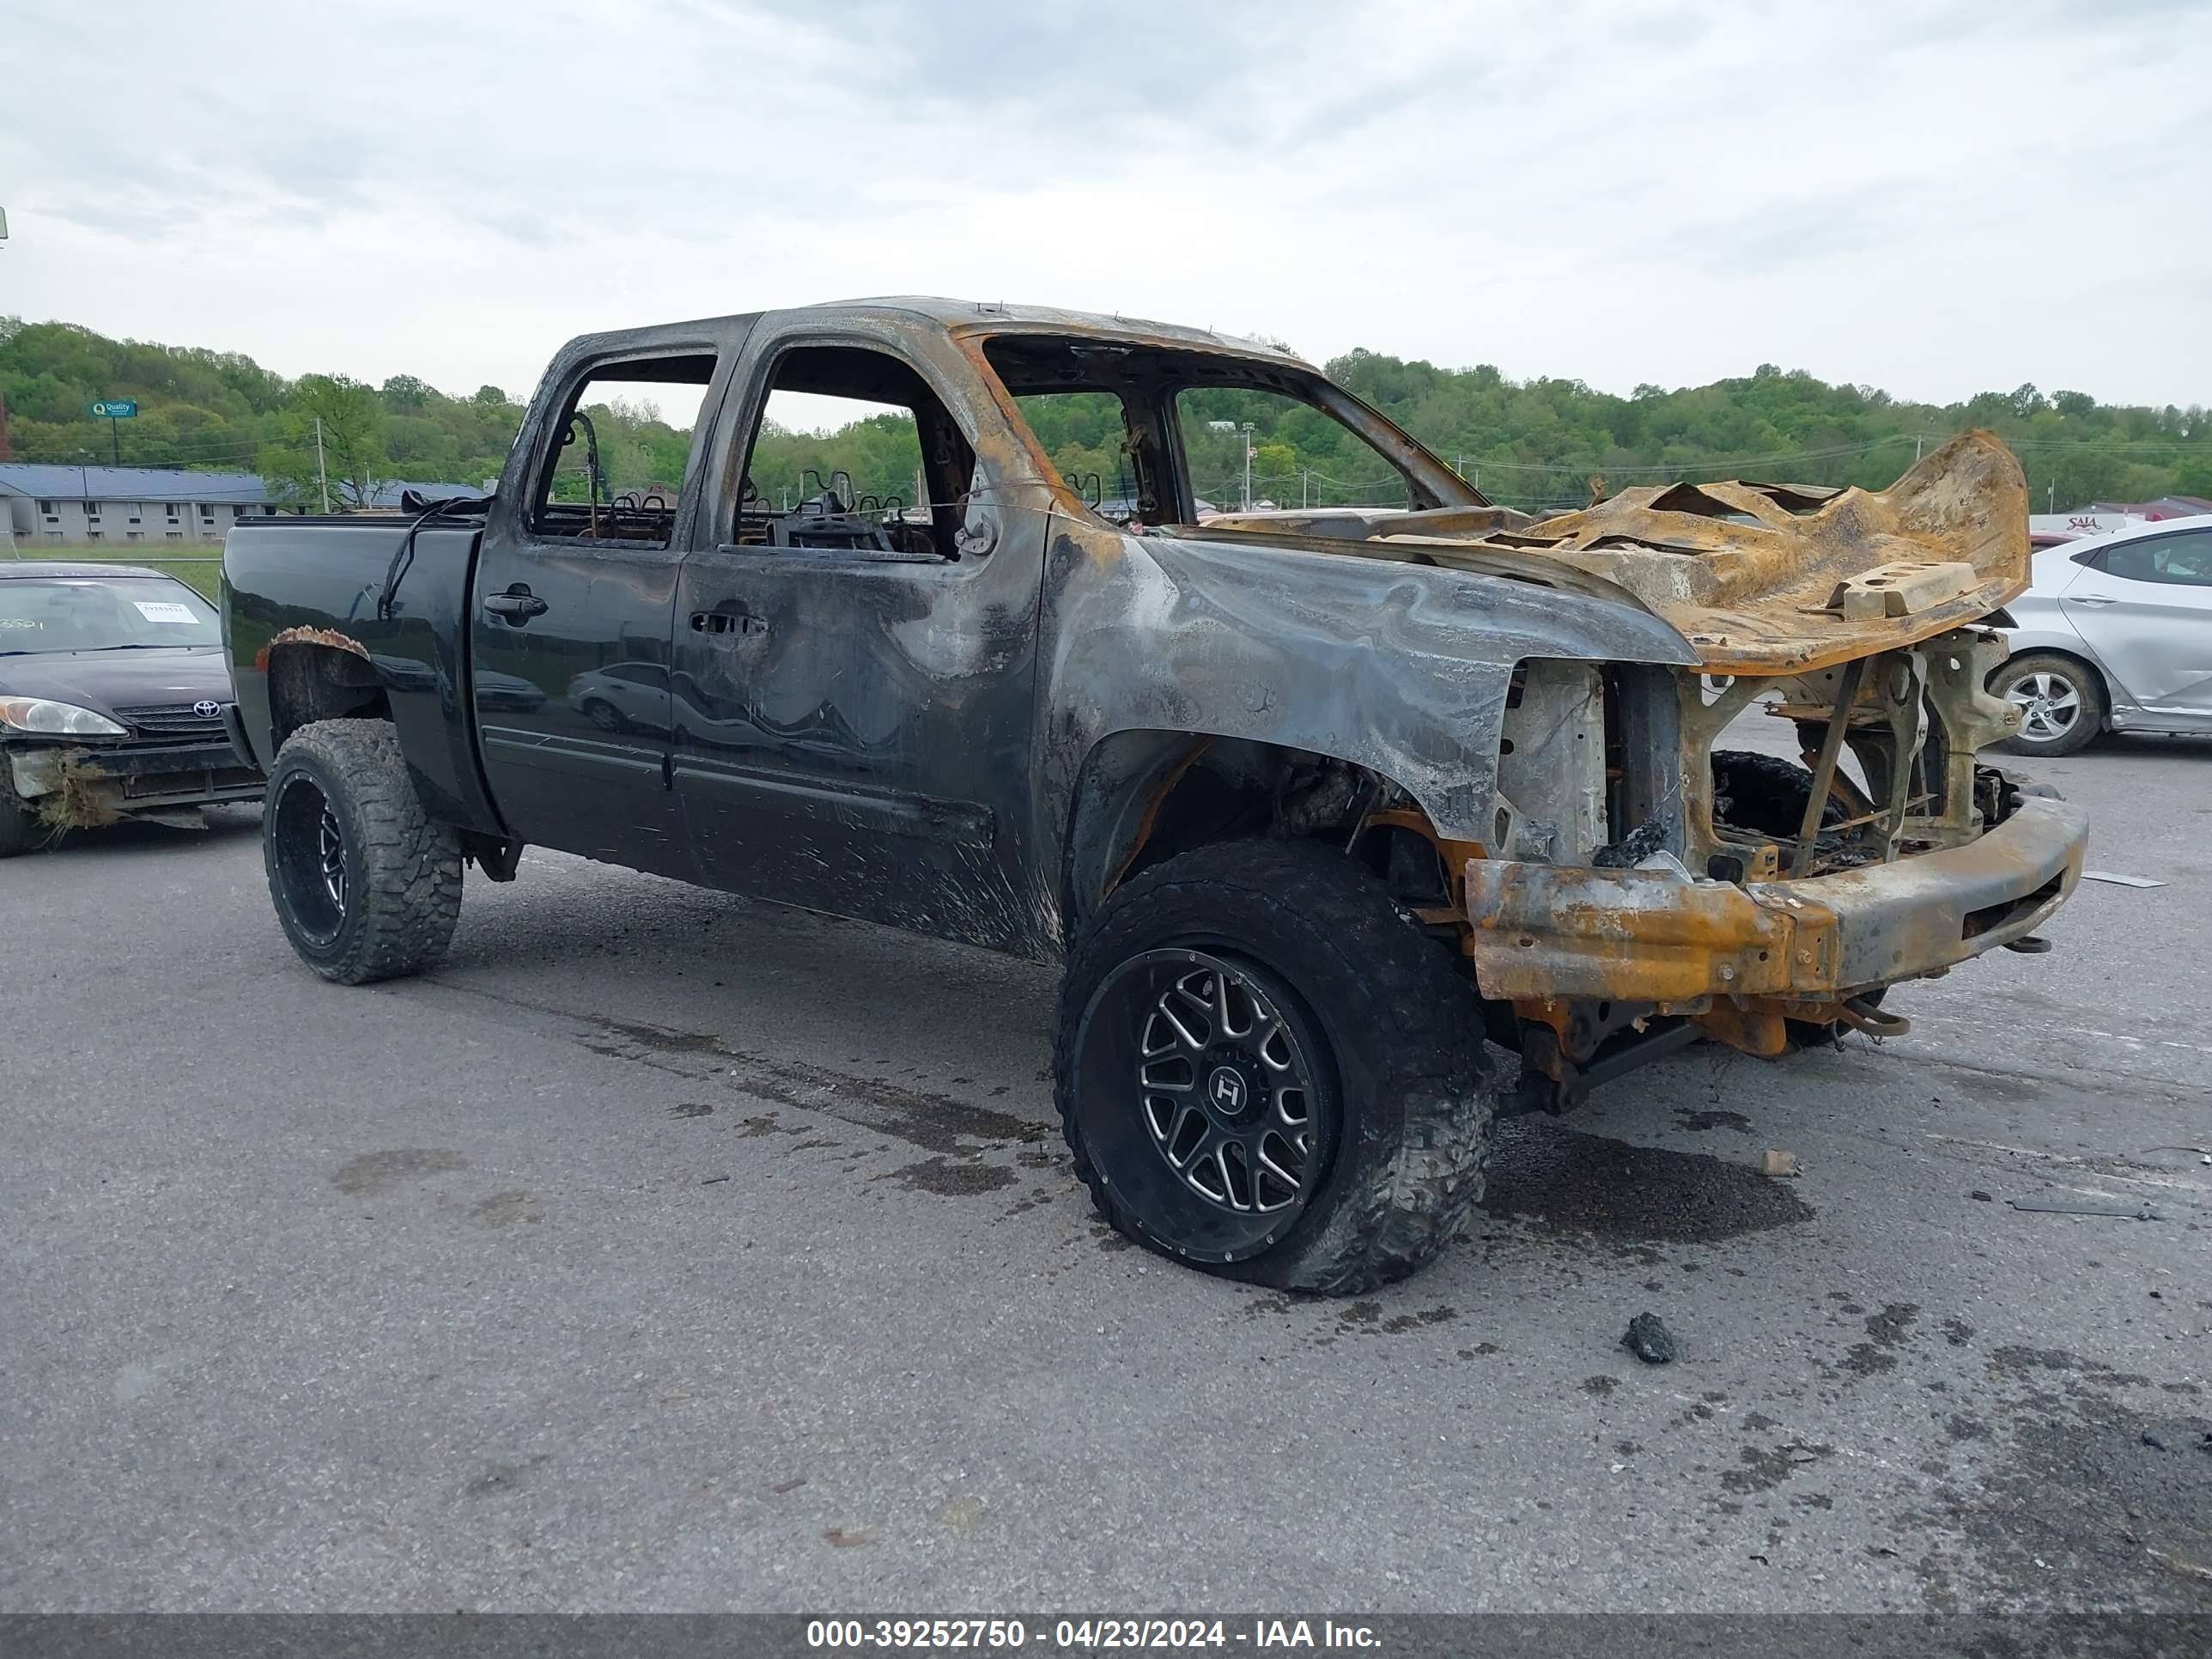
point(123, 505)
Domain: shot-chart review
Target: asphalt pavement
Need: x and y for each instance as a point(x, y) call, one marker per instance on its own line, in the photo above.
point(664, 1250)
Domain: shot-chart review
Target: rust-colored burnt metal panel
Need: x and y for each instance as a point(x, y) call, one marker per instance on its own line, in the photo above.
point(1655, 935)
point(1771, 579)
point(1547, 930)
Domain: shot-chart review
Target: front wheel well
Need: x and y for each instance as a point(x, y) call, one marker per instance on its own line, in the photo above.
point(1146, 797)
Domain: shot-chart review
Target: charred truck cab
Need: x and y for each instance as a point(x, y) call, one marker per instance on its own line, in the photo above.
point(1353, 827)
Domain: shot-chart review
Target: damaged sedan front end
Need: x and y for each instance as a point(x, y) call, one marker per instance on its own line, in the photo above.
point(114, 695)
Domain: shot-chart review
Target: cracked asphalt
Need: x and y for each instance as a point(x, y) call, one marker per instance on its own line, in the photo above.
point(666, 1251)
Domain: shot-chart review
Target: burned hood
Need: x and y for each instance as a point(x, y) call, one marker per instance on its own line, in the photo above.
point(1759, 578)
point(1299, 594)
point(104, 681)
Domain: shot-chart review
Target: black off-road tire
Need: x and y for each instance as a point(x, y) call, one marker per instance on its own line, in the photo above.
point(344, 781)
point(2092, 703)
point(22, 829)
point(1394, 1034)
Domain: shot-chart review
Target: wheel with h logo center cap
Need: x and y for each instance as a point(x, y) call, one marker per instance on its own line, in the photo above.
point(1266, 1070)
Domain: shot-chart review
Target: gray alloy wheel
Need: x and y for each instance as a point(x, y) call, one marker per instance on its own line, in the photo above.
point(2061, 703)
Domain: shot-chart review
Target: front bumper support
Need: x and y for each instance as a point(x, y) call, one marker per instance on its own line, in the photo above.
point(1547, 932)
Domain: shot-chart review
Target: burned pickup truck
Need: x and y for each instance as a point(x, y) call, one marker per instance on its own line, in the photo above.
point(1320, 810)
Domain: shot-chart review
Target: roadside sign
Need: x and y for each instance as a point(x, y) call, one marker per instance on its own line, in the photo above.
point(116, 408)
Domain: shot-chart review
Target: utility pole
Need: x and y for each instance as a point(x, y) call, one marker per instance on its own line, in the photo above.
point(1303, 477)
point(1246, 429)
point(322, 473)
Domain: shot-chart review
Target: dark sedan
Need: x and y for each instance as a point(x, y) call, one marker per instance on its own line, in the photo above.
point(114, 688)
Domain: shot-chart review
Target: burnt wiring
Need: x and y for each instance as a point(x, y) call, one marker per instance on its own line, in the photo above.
point(594, 480)
point(403, 557)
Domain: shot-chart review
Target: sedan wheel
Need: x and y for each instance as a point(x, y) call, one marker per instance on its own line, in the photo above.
point(2061, 703)
point(2050, 704)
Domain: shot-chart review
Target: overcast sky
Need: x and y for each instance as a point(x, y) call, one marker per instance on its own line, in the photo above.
point(1939, 198)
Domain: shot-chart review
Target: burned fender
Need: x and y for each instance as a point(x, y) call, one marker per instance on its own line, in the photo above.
point(1399, 667)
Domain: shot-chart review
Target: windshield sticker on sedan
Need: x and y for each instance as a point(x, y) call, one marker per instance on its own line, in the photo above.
point(21, 622)
point(165, 610)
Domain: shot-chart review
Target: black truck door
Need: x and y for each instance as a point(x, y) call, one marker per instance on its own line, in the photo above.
point(574, 590)
point(854, 661)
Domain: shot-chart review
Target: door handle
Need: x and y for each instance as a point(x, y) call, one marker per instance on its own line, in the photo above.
point(518, 605)
point(2091, 598)
point(726, 621)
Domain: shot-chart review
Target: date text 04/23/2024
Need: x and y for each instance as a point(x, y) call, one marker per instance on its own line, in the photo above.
point(1094, 1635)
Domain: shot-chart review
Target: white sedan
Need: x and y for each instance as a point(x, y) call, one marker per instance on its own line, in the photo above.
point(2114, 634)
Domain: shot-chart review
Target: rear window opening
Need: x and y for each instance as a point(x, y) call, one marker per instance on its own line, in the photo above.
point(621, 452)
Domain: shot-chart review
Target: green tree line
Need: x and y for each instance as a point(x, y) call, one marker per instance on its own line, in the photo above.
point(1537, 443)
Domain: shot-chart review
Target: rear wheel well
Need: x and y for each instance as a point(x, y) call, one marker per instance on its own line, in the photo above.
point(311, 680)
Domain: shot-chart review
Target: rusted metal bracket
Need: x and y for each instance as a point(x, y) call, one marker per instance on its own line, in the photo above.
point(1551, 1082)
point(1862, 1016)
point(1824, 769)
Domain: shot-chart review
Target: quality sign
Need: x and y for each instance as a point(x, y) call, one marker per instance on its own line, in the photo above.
point(117, 409)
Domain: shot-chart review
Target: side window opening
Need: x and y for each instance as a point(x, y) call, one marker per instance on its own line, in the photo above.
point(854, 453)
point(1091, 407)
point(1197, 433)
point(617, 467)
point(1091, 442)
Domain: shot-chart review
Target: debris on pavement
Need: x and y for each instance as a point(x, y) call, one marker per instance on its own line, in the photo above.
point(1779, 1163)
point(2188, 1569)
point(2084, 1207)
point(1981, 1197)
point(2119, 880)
point(1649, 1341)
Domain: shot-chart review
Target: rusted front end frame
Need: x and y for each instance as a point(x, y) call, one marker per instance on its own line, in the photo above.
point(1545, 933)
point(1924, 858)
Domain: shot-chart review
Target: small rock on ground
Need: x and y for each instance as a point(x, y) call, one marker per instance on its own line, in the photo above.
point(1649, 1341)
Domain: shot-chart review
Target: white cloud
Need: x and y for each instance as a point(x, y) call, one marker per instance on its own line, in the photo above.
point(1940, 200)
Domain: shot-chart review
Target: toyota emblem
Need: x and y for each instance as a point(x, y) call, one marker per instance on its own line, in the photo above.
point(207, 709)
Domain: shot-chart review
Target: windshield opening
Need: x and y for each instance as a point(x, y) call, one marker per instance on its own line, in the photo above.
point(102, 613)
